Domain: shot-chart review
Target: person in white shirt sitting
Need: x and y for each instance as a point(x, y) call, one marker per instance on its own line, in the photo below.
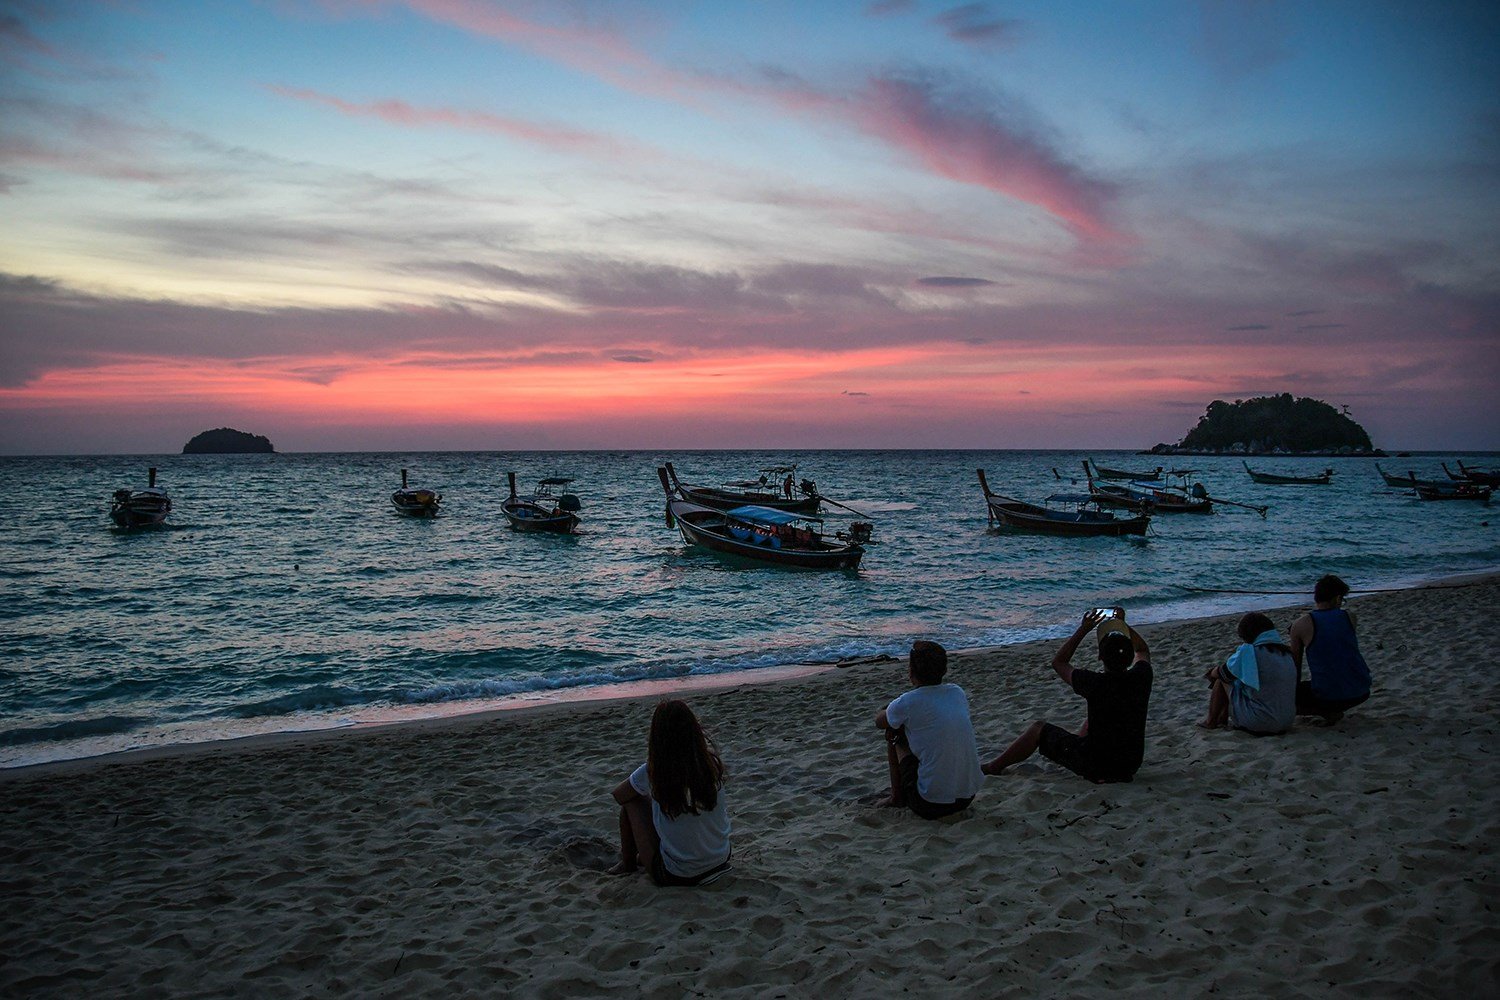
point(934, 762)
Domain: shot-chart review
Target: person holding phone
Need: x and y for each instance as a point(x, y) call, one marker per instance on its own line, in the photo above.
point(1112, 743)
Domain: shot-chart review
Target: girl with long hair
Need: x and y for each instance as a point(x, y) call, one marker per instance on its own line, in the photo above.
point(674, 821)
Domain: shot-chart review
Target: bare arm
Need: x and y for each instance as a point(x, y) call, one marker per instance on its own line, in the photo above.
point(625, 792)
point(881, 722)
point(1298, 638)
point(1063, 661)
point(1142, 651)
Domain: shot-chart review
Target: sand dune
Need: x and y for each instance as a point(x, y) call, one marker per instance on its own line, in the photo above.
point(466, 858)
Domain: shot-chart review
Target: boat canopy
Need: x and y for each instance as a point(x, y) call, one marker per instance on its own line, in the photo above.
point(554, 481)
point(765, 515)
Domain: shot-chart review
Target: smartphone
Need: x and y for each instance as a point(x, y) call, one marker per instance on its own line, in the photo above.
point(1108, 612)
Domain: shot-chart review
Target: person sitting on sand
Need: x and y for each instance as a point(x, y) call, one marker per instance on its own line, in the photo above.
point(934, 762)
point(1112, 742)
point(682, 838)
point(1256, 688)
point(1339, 676)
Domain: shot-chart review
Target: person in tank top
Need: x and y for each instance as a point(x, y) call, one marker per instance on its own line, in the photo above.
point(1338, 677)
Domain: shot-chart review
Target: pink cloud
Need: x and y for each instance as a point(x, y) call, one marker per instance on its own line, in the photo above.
point(962, 140)
point(554, 137)
point(955, 135)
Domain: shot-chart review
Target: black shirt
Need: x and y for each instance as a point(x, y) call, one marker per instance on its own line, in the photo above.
point(1116, 739)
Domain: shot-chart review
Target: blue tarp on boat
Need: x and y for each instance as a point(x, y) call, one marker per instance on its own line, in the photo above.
point(766, 515)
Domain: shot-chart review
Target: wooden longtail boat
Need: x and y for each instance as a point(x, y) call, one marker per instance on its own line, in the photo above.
point(544, 510)
point(1406, 482)
point(1086, 520)
point(764, 534)
point(760, 492)
point(1477, 476)
point(1119, 475)
point(1454, 491)
point(140, 508)
point(1274, 479)
point(1153, 499)
point(415, 502)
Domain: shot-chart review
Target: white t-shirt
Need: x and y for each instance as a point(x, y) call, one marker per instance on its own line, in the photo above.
point(690, 845)
point(936, 718)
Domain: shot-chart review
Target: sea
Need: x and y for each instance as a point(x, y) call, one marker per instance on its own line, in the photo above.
point(286, 594)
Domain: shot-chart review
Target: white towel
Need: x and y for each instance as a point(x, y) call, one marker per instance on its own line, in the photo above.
point(1241, 662)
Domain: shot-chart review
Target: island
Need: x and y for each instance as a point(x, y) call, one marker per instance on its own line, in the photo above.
point(228, 441)
point(1273, 425)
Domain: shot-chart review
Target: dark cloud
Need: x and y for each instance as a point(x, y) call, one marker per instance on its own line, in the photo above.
point(1322, 326)
point(1247, 326)
point(847, 392)
point(976, 24)
point(633, 359)
point(943, 281)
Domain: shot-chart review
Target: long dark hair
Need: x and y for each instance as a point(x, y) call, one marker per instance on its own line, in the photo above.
point(684, 768)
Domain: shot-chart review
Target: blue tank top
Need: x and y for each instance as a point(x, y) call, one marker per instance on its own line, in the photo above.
point(1337, 669)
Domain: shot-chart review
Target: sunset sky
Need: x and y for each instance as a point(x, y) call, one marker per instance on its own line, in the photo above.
point(460, 224)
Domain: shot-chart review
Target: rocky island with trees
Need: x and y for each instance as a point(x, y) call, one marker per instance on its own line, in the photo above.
point(1273, 425)
point(228, 441)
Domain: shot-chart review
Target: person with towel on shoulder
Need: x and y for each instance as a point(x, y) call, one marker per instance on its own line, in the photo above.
point(1256, 688)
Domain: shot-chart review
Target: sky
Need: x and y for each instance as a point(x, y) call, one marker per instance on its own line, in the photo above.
point(465, 224)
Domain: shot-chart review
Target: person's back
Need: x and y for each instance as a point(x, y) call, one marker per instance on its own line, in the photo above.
point(1335, 665)
point(1272, 708)
point(940, 734)
point(1117, 700)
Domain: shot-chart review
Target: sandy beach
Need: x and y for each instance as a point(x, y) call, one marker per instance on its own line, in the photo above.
point(467, 857)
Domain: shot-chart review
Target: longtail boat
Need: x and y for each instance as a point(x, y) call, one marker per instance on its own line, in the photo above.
point(1454, 491)
point(1119, 475)
point(1086, 520)
point(140, 508)
point(775, 489)
point(1275, 479)
point(551, 507)
point(415, 502)
point(1146, 497)
point(1477, 476)
point(1406, 482)
point(764, 534)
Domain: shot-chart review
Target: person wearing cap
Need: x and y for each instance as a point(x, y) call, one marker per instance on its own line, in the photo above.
point(1338, 676)
point(1112, 742)
point(934, 762)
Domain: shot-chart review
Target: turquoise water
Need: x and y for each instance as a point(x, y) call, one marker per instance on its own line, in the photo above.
point(285, 593)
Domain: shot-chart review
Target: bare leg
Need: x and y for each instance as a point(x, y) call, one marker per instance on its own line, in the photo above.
point(1218, 705)
point(638, 842)
point(1024, 746)
point(895, 751)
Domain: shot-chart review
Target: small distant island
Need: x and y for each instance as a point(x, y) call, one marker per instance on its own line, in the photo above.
point(1273, 425)
point(228, 441)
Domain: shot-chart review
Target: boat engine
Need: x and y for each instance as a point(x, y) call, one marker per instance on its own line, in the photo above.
point(809, 487)
point(860, 532)
point(569, 503)
point(122, 496)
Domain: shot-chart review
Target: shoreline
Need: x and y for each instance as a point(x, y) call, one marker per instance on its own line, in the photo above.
point(468, 857)
point(566, 700)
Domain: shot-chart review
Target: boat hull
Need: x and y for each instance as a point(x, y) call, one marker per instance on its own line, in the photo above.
point(1030, 518)
point(140, 511)
point(416, 503)
point(524, 516)
point(1457, 491)
point(1272, 479)
point(1106, 497)
point(708, 528)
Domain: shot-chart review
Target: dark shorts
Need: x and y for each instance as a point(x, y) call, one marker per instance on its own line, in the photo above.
point(1072, 752)
point(919, 805)
point(661, 876)
point(1310, 704)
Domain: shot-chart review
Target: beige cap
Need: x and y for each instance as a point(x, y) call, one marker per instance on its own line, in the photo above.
point(1111, 625)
